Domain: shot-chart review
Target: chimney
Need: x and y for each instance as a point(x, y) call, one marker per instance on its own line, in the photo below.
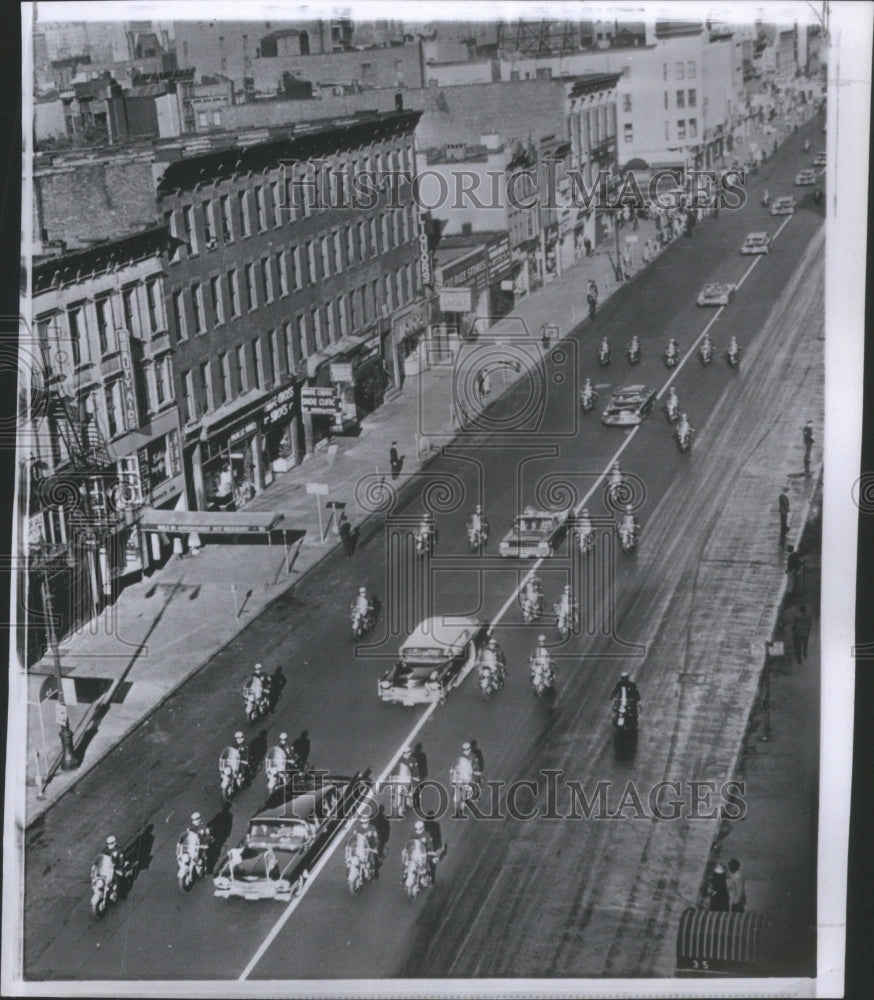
point(399, 101)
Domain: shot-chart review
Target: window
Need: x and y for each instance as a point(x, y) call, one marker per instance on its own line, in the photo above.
point(179, 316)
point(76, 318)
point(245, 223)
point(161, 380)
point(129, 308)
point(290, 196)
point(187, 393)
point(679, 74)
point(217, 117)
point(227, 222)
point(405, 219)
point(341, 309)
point(274, 354)
point(693, 98)
point(326, 263)
point(275, 197)
point(208, 226)
point(233, 293)
point(690, 69)
point(385, 240)
point(375, 287)
point(329, 322)
point(350, 246)
point(113, 410)
point(217, 307)
point(202, 120)
point(626, 102)
point(282, 271)
point(257, 365)
point(362, 249)
point(309, 182)
point(290, 354)
point(629, 132)
point(241, 367)
point(251, 293)
point(316, 325)
point(681, 128)
point(666, 100)
point(335, 243)
point(154, 300)
point(302, 333)
point(311, 262)
point(260, 209)
point(267, 278)
point(411, 281)
point(396, 228)
point(188, 226)
point(693, 128)
point(374, 240)
point(197, 308)
point(667, 130)
point(295, 268)
point(681, 99)
point(387, 292)
point(205, 387)
point(104, 325)
point(664, 71)
point(225, 377)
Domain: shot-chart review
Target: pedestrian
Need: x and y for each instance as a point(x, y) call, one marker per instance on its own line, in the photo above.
point(802, 624)
point(807, 434)
point(346, 534)
point(718, 889)
point(784, 510)
point(737, 890)
point(301, 747)
point(793, 570)
point(592, 298)
point(395, 460)
point(478, 759)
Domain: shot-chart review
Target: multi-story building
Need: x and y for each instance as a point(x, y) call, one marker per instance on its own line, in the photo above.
point(103, 441)
point(286, 278)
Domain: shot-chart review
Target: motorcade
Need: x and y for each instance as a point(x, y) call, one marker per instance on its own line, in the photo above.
point(628, 406)
point(534, 533)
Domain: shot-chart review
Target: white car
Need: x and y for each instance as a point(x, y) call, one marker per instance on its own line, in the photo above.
point(820, 159)
point(783, 206)
point(805, 177)
point(756, 243)
point(716, 294)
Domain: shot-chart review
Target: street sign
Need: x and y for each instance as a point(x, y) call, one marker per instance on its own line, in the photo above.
point(318, 489)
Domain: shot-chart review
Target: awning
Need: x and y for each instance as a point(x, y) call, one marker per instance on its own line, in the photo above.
point(210, 522)
point(721, 943)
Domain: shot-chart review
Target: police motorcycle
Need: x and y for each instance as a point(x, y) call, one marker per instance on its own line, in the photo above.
point(361, 862)
point(491, 669)
point(683, 434)
point(542, 670)
point(191, 851)
point(401, 783)
point(256, 694)
point(531, 600)
point(671, 357)
point(604, 353)
point(672, 406)
point(633, 351)
point(233, 767)
point(281, 764)
point(625, 713)
point(111, 877)
point(705, 351)
point(418, 858)
point(588, 397)
point(566, 613)
point(477, 530)
point(362, 614)
point(732, 354)
point(585, 533)
point(628, 531)
point(466, 783)
point(425, 536)
point(616, 487)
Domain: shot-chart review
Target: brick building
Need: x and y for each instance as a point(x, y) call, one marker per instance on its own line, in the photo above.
point(285, 280)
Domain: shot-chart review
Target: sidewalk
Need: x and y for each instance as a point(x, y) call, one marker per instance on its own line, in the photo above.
point(162, 629)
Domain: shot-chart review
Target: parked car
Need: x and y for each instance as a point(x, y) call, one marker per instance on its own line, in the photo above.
point(628, 406)
point(433, 660)
point(756, 243)
point(716, 294)
point(534, 533)
point(805, 177)
point(783, 206)
point(285, 838)
point(820, 159)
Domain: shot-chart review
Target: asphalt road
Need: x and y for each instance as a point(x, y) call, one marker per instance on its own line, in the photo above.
point(586, 898)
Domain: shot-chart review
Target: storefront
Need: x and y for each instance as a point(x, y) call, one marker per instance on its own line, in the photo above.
point(475, 283)
point(408, 342)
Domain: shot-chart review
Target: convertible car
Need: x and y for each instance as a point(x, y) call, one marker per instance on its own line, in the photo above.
point(534, 533)
point(287, 836)
point(783, 206)
point(804, 177)
point(716, 295)
point(628, 406)
point(433, 660)
point(756, 243)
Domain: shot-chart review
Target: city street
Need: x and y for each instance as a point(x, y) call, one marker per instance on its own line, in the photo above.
point(557, 897)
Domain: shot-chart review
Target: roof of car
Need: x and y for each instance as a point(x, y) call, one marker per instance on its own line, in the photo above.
point(438, 632)
point(757, 236)
point(629, 389)
point(301, 806)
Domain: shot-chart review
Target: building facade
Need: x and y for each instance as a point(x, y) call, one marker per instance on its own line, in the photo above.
point(289, 280)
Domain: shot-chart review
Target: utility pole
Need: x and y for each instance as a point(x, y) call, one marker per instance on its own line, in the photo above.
point(68, 757)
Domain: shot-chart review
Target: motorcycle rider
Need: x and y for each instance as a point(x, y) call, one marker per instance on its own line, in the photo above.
point(706, 349)
point(766, 198)
point(463, 773)
point(672, 350)
point(426, 841)
point(258, 676)
point(684, 429)
point(541, 655)
point(588, 393)
point(428, 528)
point(119, 864)
point(634, 347)
point(476, 756)
point(478, 523)
point(733, 350)
point(242, 748)
point(615, 477)
point(585, 524)
point(807, 145)
point(492, 658)
point(632, 695)
point(564, 605)
point(534, 591)
point(672, 403)
point(197, 828)
point(628, 524)
point(361, 607)
point(604, 348)
point(402, 780)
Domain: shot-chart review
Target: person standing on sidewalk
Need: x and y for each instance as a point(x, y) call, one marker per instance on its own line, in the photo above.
point(592, 298)
point(807, 434)
point(783, 503)
point(346, 535)
point(802, 624)
point(737, 891)
point(793, 571)
point(718, 889)
point(395, 460)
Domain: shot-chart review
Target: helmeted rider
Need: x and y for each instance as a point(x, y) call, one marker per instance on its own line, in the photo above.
point(362, 603)
point(626, 684)
point(242, 747)
point(672, 348)
point(291, 759)
point(533, 589)
point(806, 145)
point(766, 198)
point(426, 841)
point(115, 855)
point(363, 843)
point(634, 345)
point(427, 527)
point(492, 657)
point(476, 756)
point(196, 827)
point(629, 521)
point(477, 521)
point(565, 602)
point(261, 676)
point(733, 347)
point(541, 653)
point(588, 390)
point(615, 476)
point(585, 523)
point(673, 400)
point(683, 427)
point(604, 346)
point(464, 771)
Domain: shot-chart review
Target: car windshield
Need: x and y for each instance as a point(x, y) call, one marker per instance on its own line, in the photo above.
point(532, 524)
point(625, 402)
point(291, 835)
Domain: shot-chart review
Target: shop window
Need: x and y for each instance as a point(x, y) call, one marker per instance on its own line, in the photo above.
point(216, 294)
point(240, 357)
point(179, 316)
point(227, 220)
point(105, 332)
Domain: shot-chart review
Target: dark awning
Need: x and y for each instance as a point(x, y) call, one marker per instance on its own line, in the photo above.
point(210, 522)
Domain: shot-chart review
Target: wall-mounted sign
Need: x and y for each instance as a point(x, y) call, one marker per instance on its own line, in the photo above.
point(128, 394)
point(456, 300)
point(424, 255)
point(341, 371)
point(244, 431)
point(279, 407)
point(319, 399)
